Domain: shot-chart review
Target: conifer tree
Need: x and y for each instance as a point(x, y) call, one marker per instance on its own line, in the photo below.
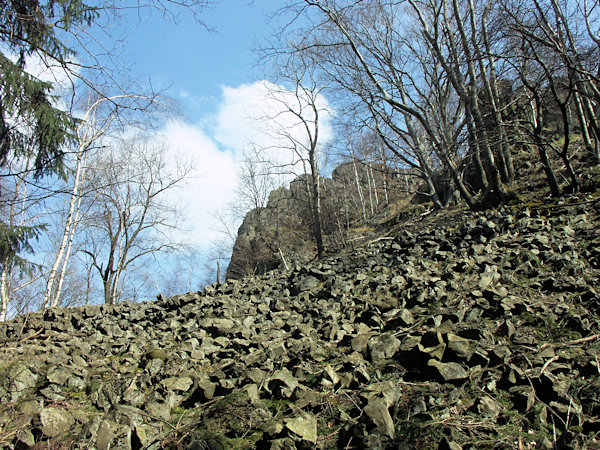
point(32, 127)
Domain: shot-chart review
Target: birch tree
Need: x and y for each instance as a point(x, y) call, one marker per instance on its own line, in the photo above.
point(555, 56)
point(94, 125)
point(63, 37)
point(365, 49)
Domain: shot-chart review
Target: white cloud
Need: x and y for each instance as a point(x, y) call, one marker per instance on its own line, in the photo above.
point(256, 113)
point(236, 121)
point(216, 147)
point(211, 182)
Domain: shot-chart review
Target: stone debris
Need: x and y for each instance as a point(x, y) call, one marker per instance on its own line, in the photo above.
point(437, 338)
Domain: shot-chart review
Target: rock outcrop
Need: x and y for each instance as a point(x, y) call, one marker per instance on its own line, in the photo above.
point(280, 234)
point(269, 234)
point(481, 334)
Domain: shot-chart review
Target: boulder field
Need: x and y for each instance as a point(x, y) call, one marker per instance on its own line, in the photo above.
point(480, 333)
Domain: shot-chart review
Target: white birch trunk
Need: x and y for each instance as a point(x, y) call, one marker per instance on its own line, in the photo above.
point(4, 294)
point(54, 276)
point(374, 185)
point(358, 187)
point(63, 271)
point(385, 176)
point(370, 192)
point(87, 133)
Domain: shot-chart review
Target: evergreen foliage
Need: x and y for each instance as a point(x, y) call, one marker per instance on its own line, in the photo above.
point(31, 126)
point(14, 240)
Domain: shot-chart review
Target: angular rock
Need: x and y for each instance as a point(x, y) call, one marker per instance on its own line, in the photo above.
point(159, 409)
point(58, 375)
point(307, 283)
point(450, 372)
point(21, 381)
point(177, 383)
point(523, 398)
point(440, 304)
point(56, 421)
point(156, 353)
point(289, 381)
point(461, 347)
point(332, 375)
point(360, 342)
point(377, 410)
point(282, 444)
point(499, 355)
point(488, 407)
point(304, 426)
point(105, 436)
point(26, 437)
point(383, 347)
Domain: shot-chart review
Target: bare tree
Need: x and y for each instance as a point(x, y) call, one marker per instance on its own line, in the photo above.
point(365, 48)
point(94, 125)
point(256, 180)
point(302, 104)
point(130, 218)
point(426, 73)
point(554, 54)
point(68, 44)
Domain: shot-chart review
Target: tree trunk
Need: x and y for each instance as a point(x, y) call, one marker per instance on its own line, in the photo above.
point(489, 81)
point(358, 186)
point(594, 126)
point(555, 189)
point(108, 298)
point(564, 152)
point(317, 219)
point(457, 178)
point(4, 294)
point(51, 295)
point(370, 190)
point(473, 140)
point(583, 125)
point(386, 175)
point(374, 186)
point(496, 193)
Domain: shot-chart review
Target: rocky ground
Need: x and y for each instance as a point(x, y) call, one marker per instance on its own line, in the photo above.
point(483, 333)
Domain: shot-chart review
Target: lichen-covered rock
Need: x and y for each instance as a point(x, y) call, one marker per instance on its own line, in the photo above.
point(377, 410)
point(16, 381)
point(383, 347)
point(304, 426)
point(449, 372)
point(56, 421)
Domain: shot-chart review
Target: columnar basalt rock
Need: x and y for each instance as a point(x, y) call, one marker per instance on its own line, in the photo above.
point(485, 329)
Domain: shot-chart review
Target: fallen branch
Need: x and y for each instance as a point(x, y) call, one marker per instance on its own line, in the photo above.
point(383, 238)
point(283, 259)
point(550, 361)
point(21, 338)
point(566, 205)
point(575, 342)
point(582, 340)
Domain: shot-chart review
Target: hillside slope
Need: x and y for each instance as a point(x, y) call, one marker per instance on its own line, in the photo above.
point(484, 333)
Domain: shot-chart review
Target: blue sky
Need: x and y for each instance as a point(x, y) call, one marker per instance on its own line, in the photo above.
point(195, 63)
point(221, 92)
point(213, 76)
